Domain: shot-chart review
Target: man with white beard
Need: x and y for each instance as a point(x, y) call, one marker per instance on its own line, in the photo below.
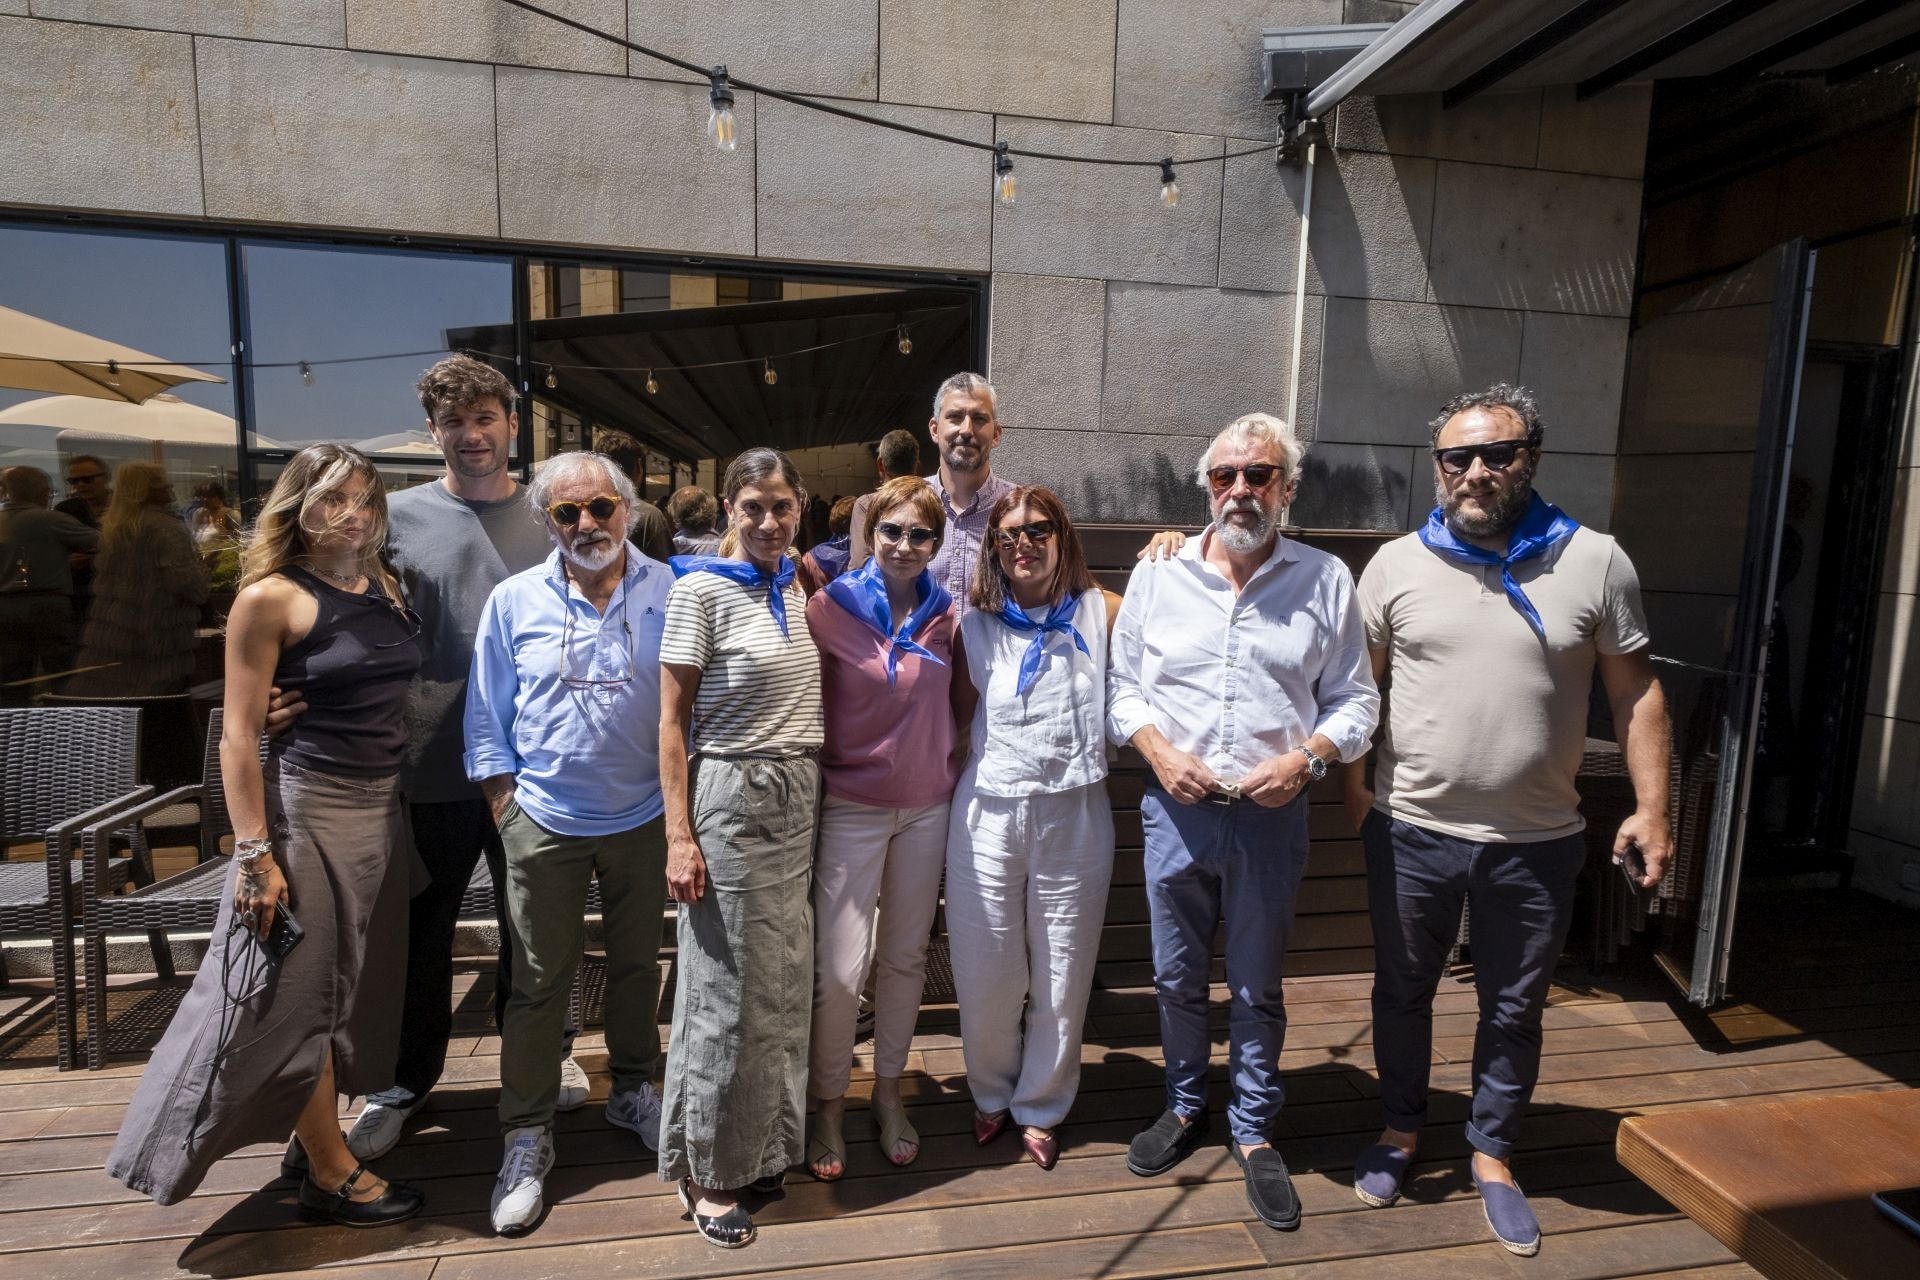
point(562, 731)
point(1239, 670)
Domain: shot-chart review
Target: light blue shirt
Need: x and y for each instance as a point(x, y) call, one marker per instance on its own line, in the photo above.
point(579, 730)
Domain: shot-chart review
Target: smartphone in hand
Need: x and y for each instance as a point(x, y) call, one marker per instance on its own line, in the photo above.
point(1633, 865)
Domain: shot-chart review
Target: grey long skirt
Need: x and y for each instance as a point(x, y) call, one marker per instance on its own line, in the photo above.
point(735, 1104)
point(244, 1052)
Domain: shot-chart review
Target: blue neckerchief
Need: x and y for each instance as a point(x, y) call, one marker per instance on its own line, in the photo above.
point(1059, 618)
point(746, 574)
point(833, 554)
point(863, 593)
point(1542, 528)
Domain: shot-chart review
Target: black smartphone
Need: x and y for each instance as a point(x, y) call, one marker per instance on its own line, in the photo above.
point(283, 935)
point(1902, 1206)
point(1633, 865)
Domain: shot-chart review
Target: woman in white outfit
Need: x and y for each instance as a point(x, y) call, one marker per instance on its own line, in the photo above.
point(1030, 844)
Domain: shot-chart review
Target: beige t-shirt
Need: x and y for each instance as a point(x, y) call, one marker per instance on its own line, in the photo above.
point(1486, 722)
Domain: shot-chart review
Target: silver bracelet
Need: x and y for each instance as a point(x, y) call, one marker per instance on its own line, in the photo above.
point(248, 852)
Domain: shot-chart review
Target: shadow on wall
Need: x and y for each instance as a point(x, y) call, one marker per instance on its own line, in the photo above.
point(1137, 490)
point(1362, 494)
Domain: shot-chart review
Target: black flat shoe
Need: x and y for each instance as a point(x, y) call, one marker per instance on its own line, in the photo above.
point(396, 1204)
point(293, 1165)
point(1165, 1143)
point(770, 1184)
point(731, 1230)
point(1269, 1189)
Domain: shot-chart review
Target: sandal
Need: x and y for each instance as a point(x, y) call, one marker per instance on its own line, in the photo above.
point(988, 1127)
point(894, 1130)
point(730, 1230)
point(827, 1142)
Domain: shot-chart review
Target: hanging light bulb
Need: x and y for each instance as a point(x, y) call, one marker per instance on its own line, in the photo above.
point(906, 343)
point(720, 119)
point(306, 373)
point(653, 384)
point(113, 373)
point(768, 376)
point(552, 381)
point(1169, 189)
point(1003, 168)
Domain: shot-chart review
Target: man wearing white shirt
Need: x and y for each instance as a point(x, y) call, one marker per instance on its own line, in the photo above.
point(1240, 671)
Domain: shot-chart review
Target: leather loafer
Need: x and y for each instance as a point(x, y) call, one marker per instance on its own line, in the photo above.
point(1269, 1189)
point(396, 1204)
point(1165, 1143)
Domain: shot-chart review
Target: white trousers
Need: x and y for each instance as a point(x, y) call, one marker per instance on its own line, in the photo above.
point(1027, 881)
point(868, 857)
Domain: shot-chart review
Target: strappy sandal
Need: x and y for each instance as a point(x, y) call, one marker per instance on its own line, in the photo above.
point(731, 1230)
point(827, 1142)
point(894, 1130)
point(396, 1203)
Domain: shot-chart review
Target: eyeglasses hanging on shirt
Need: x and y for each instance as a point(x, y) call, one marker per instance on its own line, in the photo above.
point(588, 680)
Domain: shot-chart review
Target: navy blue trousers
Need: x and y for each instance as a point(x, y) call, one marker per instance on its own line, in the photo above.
point(1522, 896)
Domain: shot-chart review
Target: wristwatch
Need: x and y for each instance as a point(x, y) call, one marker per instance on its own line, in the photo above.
point(1316, 767)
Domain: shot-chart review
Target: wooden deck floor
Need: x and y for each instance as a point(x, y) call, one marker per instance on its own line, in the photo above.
point(1836, 1012)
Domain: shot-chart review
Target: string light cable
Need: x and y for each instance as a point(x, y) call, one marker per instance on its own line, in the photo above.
point(720, 123)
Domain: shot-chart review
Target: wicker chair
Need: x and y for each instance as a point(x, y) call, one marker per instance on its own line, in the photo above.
point(169, 756)
point(62, 768)
point(190, 900)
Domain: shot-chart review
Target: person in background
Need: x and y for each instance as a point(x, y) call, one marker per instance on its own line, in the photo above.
point(1030, 836)
point(89, 492)
point(885, 633)
point(1490, 621)
point(647, 528)
point(828, 560)
point(562, 725)
point(965, 428)
point(453, 541)
point(37, 548)
point(740, 722)
point(147, 591)
point(260, 1045)
point(694, 512)
point(215, 528)
point(897, 454)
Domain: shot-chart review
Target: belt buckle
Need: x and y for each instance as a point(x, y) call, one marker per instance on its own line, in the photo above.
point(1225, 792)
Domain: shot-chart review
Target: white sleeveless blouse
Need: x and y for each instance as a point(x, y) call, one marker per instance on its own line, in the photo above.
point(1054, 737)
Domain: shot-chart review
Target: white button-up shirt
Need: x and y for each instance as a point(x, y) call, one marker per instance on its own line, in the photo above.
point(1236, 680)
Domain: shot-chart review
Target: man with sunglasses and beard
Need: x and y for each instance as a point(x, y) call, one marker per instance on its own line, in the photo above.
point(1239, 670)
point(1491, 619)
point(562, 728)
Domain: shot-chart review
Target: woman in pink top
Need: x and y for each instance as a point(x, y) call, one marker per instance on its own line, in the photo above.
point(885, 633)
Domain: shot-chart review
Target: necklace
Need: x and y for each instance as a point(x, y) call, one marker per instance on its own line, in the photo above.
point(344, 579)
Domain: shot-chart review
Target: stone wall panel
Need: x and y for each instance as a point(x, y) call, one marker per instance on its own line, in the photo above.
point(1110, 476)
point(1356, 486)
point(321, 22)
point(1389, 366)
point(631, 157)
point(1048, 351)
point(1493, 128)
point(1195, 66)
point(335, 138)
point(1053, 60)
point(66, 143)
point(1372, 219)
point(828, 47)
point(1576, 366)
point(1606, 134)
point(1534, 240)
point(488, 31)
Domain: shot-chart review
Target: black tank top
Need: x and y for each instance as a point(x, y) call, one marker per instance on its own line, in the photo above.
point(353, 669)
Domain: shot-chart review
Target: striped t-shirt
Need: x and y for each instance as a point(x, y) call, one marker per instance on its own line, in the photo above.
point(759, 690)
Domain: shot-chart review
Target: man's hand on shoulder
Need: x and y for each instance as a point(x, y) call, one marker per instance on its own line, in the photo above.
point(283, 708)
point(1165, 546)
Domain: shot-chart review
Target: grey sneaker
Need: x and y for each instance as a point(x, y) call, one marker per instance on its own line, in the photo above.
point(638, 1110)
point(517, 1194)
point(376, 1130)
point(574, 1086)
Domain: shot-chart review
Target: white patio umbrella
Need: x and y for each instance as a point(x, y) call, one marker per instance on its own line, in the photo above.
point(162, 419)
point(406, 443)
point(38, 355)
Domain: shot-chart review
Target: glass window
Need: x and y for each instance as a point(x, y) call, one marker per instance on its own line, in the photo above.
point(339, 337)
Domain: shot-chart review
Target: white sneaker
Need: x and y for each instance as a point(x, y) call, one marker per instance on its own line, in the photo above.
point(517, 1198)
point(638, 1110)
point(574, 1086)
point(376, 1130)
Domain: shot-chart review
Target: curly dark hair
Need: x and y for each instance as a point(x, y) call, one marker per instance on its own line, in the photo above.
point(460, 381)
point(1501, 395)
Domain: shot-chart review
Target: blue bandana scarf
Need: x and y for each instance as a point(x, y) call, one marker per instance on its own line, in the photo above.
point(1059, 618)
point(746, 574)
point(863, 593)
point(1541, 529)
point(833, 554)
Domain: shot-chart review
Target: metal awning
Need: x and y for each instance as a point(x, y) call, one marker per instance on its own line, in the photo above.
point(1459, 48)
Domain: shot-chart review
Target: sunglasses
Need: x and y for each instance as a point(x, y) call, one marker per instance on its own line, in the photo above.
point(1038, 533)
point(568, 513)
point(1259, 476)
point(1498, 456)
point(918, 536)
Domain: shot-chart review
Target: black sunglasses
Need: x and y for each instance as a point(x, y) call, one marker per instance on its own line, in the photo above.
point(1498, 456)
point(1259, 476)
point(1038, 533)
point(918, 536)
point(568, 513)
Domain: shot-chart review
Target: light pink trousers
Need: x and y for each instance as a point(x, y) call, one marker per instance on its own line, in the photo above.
point(868, 857)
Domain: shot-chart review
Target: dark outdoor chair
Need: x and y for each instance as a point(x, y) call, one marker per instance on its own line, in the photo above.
point(62, 768)
point(169, 757)
point(190, 900)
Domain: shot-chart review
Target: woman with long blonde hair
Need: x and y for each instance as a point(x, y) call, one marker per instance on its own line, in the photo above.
point(274, 1031)
point(148, 586)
